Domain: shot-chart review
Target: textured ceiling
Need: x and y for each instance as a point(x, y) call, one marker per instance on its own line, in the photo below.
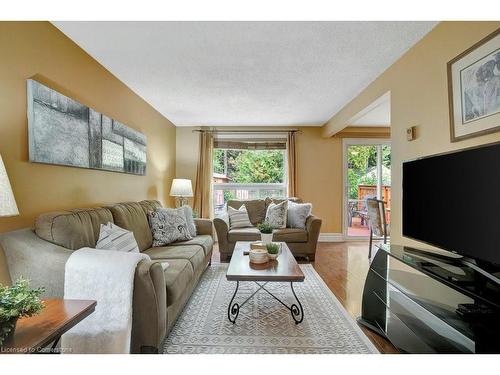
point(246, 73)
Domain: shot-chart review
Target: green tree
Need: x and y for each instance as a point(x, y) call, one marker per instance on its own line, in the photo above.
point(259, 166)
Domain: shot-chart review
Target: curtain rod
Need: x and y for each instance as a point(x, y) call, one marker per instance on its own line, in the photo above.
point(247, 131)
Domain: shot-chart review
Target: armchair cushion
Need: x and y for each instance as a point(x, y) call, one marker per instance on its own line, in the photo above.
point(297, 214)
point(238, 218)
point(244, 234)
point(256, 209)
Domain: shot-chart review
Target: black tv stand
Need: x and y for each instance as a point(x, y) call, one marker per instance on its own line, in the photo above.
point(426, 302)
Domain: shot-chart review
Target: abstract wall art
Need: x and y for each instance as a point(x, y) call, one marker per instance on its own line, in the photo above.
point(64, 132)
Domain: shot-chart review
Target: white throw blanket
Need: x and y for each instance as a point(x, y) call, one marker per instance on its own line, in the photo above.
point(108, 277)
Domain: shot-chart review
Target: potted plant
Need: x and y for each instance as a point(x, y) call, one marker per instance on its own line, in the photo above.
point(17, 301)
point(273, 250)
point(266, 232)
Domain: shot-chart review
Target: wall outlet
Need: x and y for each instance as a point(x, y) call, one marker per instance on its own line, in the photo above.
point(411, 133)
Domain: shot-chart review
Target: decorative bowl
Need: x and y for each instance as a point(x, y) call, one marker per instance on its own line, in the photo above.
point(258, 256)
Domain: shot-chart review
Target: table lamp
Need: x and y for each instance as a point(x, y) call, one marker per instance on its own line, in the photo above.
point(181, 189)
point(8, 206)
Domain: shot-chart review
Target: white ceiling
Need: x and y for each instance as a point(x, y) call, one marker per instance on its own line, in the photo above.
point(246, 73)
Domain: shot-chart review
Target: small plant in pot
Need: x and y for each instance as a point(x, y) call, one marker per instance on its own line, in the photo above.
point(17, 301)
point(273, 250)
point(266, 232)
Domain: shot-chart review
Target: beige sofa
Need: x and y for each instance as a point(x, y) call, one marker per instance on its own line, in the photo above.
point(159, 295)
point(302, 242)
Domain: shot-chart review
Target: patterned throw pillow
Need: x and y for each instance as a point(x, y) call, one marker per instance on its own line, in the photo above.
point(168, 225)
point(238, 218)
point(112, 237)
point(297, 214)
point(276, 215)
point(188, 212)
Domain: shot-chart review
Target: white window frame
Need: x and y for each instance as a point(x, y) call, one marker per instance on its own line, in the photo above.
point(254, 186)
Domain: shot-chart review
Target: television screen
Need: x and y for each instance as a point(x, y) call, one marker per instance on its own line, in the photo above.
point(452, 201)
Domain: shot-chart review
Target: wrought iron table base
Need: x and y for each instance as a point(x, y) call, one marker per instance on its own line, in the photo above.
point(295, 309)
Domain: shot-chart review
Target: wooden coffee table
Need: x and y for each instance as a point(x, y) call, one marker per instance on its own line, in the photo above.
point(35, 333)
point(284, 269)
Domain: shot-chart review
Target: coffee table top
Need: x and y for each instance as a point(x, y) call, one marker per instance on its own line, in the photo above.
point(284, 268)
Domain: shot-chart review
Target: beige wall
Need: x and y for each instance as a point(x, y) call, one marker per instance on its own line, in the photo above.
point(419, 96)
point(319, 169)
point(38, 50)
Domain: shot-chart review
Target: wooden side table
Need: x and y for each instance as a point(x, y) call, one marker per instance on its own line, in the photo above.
point(35, 333)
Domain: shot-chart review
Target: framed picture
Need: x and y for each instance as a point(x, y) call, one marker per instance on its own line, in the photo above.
point(474, 89)
point(62, 131)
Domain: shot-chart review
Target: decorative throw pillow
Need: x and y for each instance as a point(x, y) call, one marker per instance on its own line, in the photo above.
point(238, 218)
point(112, 237)
point(297, 214)
point(168, 225)
point(188, 212)
point(276, 215)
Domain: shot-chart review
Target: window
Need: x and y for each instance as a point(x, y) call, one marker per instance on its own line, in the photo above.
point(248, 170)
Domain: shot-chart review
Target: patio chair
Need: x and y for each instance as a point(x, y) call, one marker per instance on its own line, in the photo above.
point(376, 221)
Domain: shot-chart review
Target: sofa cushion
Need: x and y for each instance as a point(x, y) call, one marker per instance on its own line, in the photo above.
point(290, 235)
point(73, 229)
point(114, 238)
point(238, 218)
point(279, 200)
point(132, 216)
point(297, 214)
point(256, 209)
point(276, 215)
point(150, 205)
point(168, 225)
point(244, 234)
point(178, 276)
point(192, 253)
point(205, 241)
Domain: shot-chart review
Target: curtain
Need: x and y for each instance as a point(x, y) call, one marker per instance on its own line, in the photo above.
point(292, 164)
point(203, 186)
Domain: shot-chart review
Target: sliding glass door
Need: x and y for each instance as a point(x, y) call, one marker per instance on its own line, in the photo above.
point(367, 174)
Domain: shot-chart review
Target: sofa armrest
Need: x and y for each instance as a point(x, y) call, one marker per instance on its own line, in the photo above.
point(313, 227)
point(149, 315)
point(222, 229)
point(32, 258)
point(204, 226)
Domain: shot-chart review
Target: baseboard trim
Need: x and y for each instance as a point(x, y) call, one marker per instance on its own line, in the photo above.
point(331, 237)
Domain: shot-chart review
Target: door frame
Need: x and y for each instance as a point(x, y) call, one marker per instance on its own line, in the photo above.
point(346, 142)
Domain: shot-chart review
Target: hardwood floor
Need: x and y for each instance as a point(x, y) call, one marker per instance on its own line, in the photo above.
point(343, 266)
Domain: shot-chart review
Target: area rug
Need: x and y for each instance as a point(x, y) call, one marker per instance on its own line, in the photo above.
point(263, 324)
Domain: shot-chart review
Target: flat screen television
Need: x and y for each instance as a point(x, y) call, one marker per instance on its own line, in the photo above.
point(452, 201)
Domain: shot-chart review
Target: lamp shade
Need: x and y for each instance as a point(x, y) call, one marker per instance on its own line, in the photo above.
point(8, 206)
point(181, 188)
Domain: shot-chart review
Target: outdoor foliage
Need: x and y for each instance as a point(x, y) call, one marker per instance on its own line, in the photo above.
point(250, 166)
point(362, 161)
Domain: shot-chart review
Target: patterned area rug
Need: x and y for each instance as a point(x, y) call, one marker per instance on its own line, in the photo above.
point(263, 324)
